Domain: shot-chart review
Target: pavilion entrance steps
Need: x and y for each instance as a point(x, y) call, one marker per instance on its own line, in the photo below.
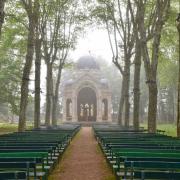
point(90, 123)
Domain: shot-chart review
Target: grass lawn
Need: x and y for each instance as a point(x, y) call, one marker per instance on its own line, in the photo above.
point(170, 129)
point(8, 128)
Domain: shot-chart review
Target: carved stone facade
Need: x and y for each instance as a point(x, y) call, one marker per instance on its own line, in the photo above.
point(86, 93)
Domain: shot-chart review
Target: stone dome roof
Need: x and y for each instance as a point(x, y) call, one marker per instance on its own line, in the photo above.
point(87, 62)
point(69, 82)
point(104, 81)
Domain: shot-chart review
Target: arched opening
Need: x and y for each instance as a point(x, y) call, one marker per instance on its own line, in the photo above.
point(104, 109)
point(69, 109)
point(86, 105)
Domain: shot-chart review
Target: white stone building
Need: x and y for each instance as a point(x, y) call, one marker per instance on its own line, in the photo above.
point(86, 93)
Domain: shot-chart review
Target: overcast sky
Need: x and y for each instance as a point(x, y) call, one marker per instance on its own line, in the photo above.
point(94, 42)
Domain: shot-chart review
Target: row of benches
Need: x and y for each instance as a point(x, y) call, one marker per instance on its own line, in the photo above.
point(33, 154)
point(138, 154)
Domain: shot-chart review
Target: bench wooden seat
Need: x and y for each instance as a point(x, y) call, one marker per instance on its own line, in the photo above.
point(24, 154)
point(15, 175)
point(152, 164)
point(23, 166)
point(157, 175)
point(155, 146)
point(139, 150)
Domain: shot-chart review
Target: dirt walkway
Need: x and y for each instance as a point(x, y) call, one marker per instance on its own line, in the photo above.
point(83, 160)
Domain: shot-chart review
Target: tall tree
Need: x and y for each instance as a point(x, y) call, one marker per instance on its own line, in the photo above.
point(73, 19)
point(30, 8)
point(38, 44)
point(50, 49)
point(62, 27)
point(151, 25)
point(178, 102)
point(122, 42)
point(2, 3)
point(135, 15)
point(39, 37)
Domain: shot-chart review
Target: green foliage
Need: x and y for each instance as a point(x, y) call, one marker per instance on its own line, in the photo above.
point(10, 73)
point(168, 69)
point(12, 52)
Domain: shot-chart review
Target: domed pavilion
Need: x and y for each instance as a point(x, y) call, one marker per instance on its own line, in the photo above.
point(86, 93)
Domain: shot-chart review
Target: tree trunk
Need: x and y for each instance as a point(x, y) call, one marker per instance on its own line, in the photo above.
point(49, 93)
point(38, 42)
point(178, 99)
point(37, 97)
point(2, 3)
point(152, 108)
point(25, 77)
point(137, 72)
point(56, 98)
point(173, 105)
point(121, 104)
point(126, 95)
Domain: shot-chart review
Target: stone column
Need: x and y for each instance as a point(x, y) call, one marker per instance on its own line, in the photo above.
point(64, 109)
point(99, 108)
point(74, 107)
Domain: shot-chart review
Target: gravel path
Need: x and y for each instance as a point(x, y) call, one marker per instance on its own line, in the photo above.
point(83, 160)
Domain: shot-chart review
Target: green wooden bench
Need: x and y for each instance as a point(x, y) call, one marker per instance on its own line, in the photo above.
point(154, 146)
point(120, 157)
point(139, 150)
point(157, 175)
point(23, 166)
point(34, 149)
point(15, 175)
point(120, 145)
point(132, 166)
